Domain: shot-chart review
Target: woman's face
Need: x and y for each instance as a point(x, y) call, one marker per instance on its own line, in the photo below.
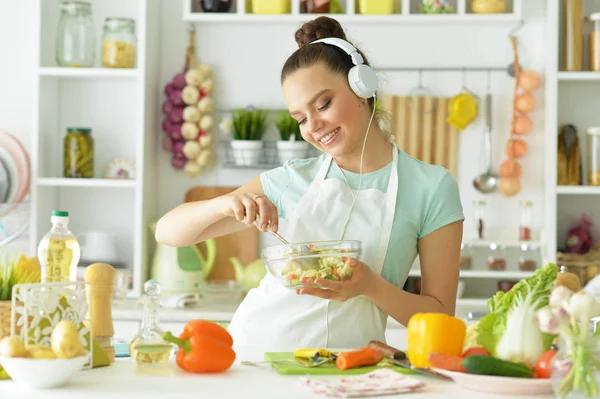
point(331, 117)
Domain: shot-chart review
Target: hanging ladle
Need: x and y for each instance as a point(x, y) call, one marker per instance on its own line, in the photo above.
point(487, 182)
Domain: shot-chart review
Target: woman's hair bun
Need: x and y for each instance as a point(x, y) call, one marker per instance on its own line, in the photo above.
point(320, 28)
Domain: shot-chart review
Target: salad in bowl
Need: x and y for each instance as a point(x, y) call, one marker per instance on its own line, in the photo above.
point(299, 265)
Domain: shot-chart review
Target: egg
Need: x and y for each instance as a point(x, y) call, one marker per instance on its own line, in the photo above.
point(522, 125)
point(511, 168)
point(516, 148)
point(525, 102)
point(529, 81)
point(509, 186)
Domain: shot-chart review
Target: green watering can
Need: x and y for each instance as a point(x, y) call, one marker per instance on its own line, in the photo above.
point(181, 270)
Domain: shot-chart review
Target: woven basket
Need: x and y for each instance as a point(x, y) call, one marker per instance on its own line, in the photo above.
point(585, 266)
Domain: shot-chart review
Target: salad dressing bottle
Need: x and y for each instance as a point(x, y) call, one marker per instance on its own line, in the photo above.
point(59, 251)
point(148, 347)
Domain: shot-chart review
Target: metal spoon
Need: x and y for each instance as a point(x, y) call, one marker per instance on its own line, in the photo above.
point(487, 182)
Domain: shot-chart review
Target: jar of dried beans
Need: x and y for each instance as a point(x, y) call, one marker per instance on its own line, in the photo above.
point(496, 257)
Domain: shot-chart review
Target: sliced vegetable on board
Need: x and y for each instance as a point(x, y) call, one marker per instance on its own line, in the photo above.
point(358, 358)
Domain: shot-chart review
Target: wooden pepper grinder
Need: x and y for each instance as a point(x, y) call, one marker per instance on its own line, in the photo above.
point(101, 277)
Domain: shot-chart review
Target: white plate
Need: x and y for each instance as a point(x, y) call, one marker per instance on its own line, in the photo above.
point(500, 385)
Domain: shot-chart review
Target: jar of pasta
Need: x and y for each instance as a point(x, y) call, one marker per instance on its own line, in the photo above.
point(79, 153)
point(119, 43)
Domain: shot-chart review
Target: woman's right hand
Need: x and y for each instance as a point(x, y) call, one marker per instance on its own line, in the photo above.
point(246, 206)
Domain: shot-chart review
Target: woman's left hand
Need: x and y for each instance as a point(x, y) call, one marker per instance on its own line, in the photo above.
point(362, 278)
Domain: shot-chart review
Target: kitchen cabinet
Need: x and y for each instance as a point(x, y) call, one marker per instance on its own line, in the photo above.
point(119, 105)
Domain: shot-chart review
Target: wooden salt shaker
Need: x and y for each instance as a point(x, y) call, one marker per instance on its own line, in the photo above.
point(99, 292)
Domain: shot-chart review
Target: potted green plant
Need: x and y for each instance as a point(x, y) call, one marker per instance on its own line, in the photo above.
point(249, 125)
point(291, 145)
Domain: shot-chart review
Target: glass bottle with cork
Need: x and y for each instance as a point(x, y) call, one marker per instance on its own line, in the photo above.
point(525, 221)
point(59, 251)
point(148, 348)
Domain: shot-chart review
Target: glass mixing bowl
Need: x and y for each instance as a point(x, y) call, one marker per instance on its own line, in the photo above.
point(299, 265)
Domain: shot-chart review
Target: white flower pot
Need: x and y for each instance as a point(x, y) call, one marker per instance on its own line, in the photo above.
point(288, 150)
point(247, 152)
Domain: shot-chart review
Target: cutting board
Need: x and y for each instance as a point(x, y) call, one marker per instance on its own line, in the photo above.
point(242, 244)
point(327, 368)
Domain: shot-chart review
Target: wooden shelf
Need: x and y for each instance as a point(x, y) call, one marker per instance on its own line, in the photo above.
point(357, 19)
point(98, 182)
point(512, 275)
point(59, 72)
point(579, 76)
point(578, 190)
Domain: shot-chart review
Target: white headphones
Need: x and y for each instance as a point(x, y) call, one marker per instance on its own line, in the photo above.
point(362, 78)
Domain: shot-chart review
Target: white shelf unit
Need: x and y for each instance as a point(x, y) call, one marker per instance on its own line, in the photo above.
point(488, 274)
point(121, 107)
point(405, 11)
point(571, 98)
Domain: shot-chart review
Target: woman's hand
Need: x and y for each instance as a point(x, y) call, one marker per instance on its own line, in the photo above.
point(247, 206)
point(341, 291)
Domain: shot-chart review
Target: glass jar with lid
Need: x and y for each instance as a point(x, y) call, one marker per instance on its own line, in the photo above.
point(593, 155)
point(465, 256)
point(78, 153)
point(488, 6)
point(528, 256)
point(496, 257)
point(119, 43)
point(479, 218)
point(525, 221)
point(75, 35)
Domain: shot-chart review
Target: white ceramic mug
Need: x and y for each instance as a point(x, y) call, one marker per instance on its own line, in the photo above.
point(98, 246)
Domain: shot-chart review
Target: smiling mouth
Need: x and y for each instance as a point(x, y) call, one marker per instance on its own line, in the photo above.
point(328, 137)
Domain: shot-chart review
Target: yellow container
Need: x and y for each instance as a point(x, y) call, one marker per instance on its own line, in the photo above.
point(271, 6)
point(375, 6)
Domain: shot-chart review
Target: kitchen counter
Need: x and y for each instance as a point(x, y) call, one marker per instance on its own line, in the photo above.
point(124, 380)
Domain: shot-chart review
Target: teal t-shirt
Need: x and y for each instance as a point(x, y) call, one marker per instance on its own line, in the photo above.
point(428, 198)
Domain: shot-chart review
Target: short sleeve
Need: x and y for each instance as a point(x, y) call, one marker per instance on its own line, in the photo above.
point(444, 206)
point(274, 182)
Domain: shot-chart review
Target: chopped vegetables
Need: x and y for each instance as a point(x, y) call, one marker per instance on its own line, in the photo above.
point(306, 271)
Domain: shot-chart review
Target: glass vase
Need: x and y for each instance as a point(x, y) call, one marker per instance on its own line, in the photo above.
point(575, 369)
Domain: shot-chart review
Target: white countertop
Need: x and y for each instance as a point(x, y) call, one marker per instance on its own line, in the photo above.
point(130, 309)
point(124, 380)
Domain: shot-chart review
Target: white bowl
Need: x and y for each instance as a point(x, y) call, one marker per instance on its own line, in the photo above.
point(42, 373)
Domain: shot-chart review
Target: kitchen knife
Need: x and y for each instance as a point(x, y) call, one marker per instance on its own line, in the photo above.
point(399, 358)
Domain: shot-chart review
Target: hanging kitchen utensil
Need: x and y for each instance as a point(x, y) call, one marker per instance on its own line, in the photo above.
point(487, 182)
point(421, 91)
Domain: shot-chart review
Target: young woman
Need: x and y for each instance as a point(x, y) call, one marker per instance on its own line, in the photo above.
point(361, 188)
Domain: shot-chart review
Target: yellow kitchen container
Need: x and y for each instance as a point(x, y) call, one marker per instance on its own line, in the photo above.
point(375, 6)
point(271, 6)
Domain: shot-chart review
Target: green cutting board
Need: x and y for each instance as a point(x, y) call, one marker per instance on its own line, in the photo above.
point(327, 368)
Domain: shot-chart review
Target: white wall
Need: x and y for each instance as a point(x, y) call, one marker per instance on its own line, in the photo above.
point(248, 58)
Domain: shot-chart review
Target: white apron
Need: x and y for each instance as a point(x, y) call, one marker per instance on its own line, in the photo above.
point(275, 318)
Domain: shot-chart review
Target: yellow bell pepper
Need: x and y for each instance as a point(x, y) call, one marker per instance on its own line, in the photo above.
point(434, 332)
point(309, 353)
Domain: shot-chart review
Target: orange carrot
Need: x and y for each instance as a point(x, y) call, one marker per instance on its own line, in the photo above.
point(358, 358)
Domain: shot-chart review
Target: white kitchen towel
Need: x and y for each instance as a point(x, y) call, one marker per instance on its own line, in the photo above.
point(376, 383)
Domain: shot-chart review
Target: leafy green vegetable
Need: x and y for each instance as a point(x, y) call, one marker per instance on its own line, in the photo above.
point(490, 329)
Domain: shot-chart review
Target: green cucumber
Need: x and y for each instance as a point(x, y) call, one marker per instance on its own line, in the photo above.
point(489, 365)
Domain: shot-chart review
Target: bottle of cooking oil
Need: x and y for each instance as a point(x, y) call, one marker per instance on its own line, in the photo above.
point(59, 251)
point(148, 348)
